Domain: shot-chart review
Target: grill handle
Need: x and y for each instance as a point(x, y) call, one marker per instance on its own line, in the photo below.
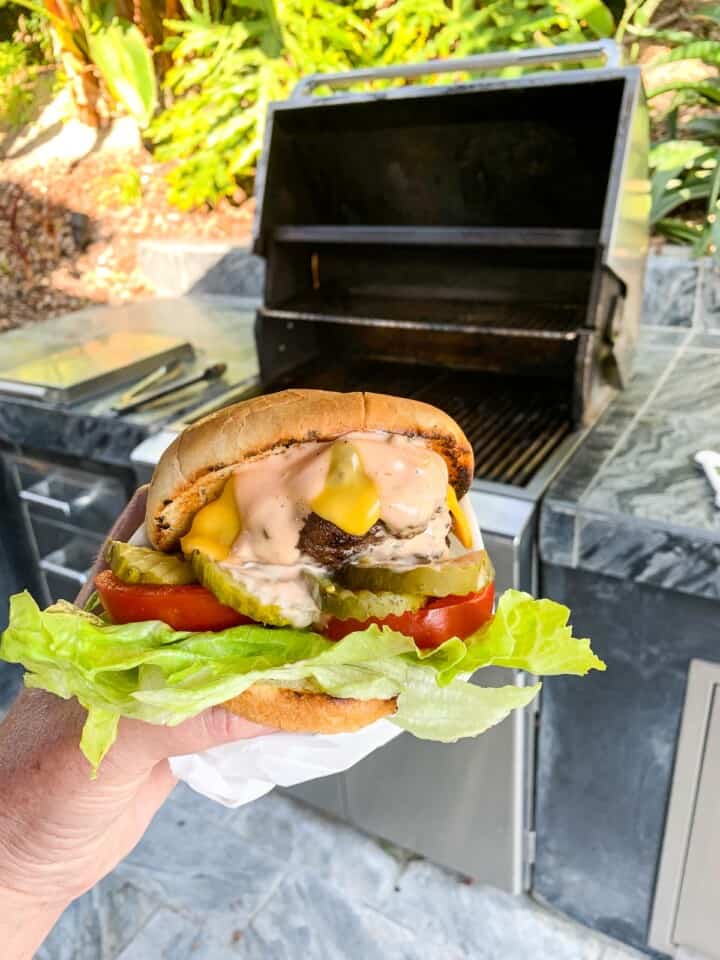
point(572, 53)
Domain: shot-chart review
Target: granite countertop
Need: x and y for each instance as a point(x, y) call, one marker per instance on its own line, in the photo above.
point(631, 503)
point(220, 329)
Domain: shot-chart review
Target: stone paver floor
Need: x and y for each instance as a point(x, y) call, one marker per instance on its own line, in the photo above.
point(277, 881)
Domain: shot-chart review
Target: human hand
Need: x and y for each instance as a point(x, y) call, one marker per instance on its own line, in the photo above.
point(60, 831)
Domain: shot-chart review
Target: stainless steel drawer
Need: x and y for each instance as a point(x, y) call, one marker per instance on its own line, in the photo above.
point(77, 498)
point(51, 535)
point(685, 919)
point(70, 564)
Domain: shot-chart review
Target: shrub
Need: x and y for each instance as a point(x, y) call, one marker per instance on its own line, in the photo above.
point(229, 63)
point(685, 160)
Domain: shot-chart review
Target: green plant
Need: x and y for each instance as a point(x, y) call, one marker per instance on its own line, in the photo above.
point(25, 64)
point(231, 59)
point(120, 53)
point(685, 163)
point(123, 188)
point(18, 81)
point(106, 55)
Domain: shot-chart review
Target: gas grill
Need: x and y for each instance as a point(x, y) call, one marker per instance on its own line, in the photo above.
point(481, 246)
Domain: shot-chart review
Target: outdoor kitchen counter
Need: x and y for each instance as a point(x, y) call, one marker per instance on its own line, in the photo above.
point(630, 541)
point(631, 503)
point(221, 330)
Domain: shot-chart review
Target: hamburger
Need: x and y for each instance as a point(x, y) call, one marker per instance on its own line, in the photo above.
point(309, 560)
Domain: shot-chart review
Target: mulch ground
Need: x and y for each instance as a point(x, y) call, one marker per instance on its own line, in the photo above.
point(69, 238)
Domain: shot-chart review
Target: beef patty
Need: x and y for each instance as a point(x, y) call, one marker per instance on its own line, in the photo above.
point(332, 547)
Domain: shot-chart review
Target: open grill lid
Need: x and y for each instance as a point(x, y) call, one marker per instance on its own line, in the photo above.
point(495, 227)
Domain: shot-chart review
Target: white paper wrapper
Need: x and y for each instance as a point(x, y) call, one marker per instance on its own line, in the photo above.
point(237, 773)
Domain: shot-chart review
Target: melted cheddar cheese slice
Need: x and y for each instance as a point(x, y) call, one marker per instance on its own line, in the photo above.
point(349, 499)
point(215, 527)
point(460, 524)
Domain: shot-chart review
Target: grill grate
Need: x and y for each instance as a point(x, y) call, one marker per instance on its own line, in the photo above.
point(513, 426)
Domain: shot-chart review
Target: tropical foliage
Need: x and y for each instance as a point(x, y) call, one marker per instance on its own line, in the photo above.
point(198, 75)
point(229, 63)
point(685, 162)
point(24, 51)
point(105, 49)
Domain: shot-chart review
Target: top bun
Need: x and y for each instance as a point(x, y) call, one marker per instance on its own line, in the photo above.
point(195, 466)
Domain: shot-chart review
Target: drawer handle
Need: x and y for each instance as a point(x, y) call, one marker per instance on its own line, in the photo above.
point(61, 506)
point(79, 576)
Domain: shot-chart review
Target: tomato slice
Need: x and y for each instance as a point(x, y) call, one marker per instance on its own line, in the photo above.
point(191, 607)
point(433, 624)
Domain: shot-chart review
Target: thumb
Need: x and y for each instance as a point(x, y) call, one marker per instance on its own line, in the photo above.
point(149, 743)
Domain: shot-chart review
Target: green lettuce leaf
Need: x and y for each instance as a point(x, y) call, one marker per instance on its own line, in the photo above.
point(527, 634)
point(150, 672)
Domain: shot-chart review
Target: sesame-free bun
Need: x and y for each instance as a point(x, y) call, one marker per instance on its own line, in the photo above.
point(300, 712)
point(194, 467)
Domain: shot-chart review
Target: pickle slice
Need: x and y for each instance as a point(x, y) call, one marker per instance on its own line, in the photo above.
point(232, 593)
point(141, 565)
point(337, 601)
point(461, 575)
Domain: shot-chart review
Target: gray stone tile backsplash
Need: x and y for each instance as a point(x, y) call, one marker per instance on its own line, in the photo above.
point(681, 292)
point(670, 288)
point(709, 293)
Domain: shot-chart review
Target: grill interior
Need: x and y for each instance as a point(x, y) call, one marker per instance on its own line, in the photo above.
point(513, 425)
point(451, 245)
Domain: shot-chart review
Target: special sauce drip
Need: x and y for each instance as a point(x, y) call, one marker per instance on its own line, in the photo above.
point(274, 496)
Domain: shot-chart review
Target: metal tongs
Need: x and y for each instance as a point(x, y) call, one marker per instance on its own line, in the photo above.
point(130, 401)
point(167, 371)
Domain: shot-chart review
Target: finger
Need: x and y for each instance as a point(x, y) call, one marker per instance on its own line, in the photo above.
point(123, 528)
point(156, 788)
point(146, 744)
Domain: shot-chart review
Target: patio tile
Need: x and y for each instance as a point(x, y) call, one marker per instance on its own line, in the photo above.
point(308, 917)
point(297, 835)
point(486, 924)
point(99, 925)
point(168, 936)
point(196, 864)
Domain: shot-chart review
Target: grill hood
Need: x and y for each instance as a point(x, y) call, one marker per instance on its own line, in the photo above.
point(480, 245)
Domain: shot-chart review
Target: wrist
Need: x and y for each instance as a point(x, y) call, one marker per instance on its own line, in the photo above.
point(25, 922)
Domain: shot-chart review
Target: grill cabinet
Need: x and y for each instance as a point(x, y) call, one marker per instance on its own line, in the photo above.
point(480, 246)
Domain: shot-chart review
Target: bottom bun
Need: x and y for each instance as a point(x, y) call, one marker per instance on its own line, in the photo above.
point(300, 712)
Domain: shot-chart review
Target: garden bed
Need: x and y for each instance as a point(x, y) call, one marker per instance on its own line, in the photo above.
point(69, 233)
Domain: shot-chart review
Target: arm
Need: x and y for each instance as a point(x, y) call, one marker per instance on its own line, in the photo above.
point(60, 831)
point(24, 925)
